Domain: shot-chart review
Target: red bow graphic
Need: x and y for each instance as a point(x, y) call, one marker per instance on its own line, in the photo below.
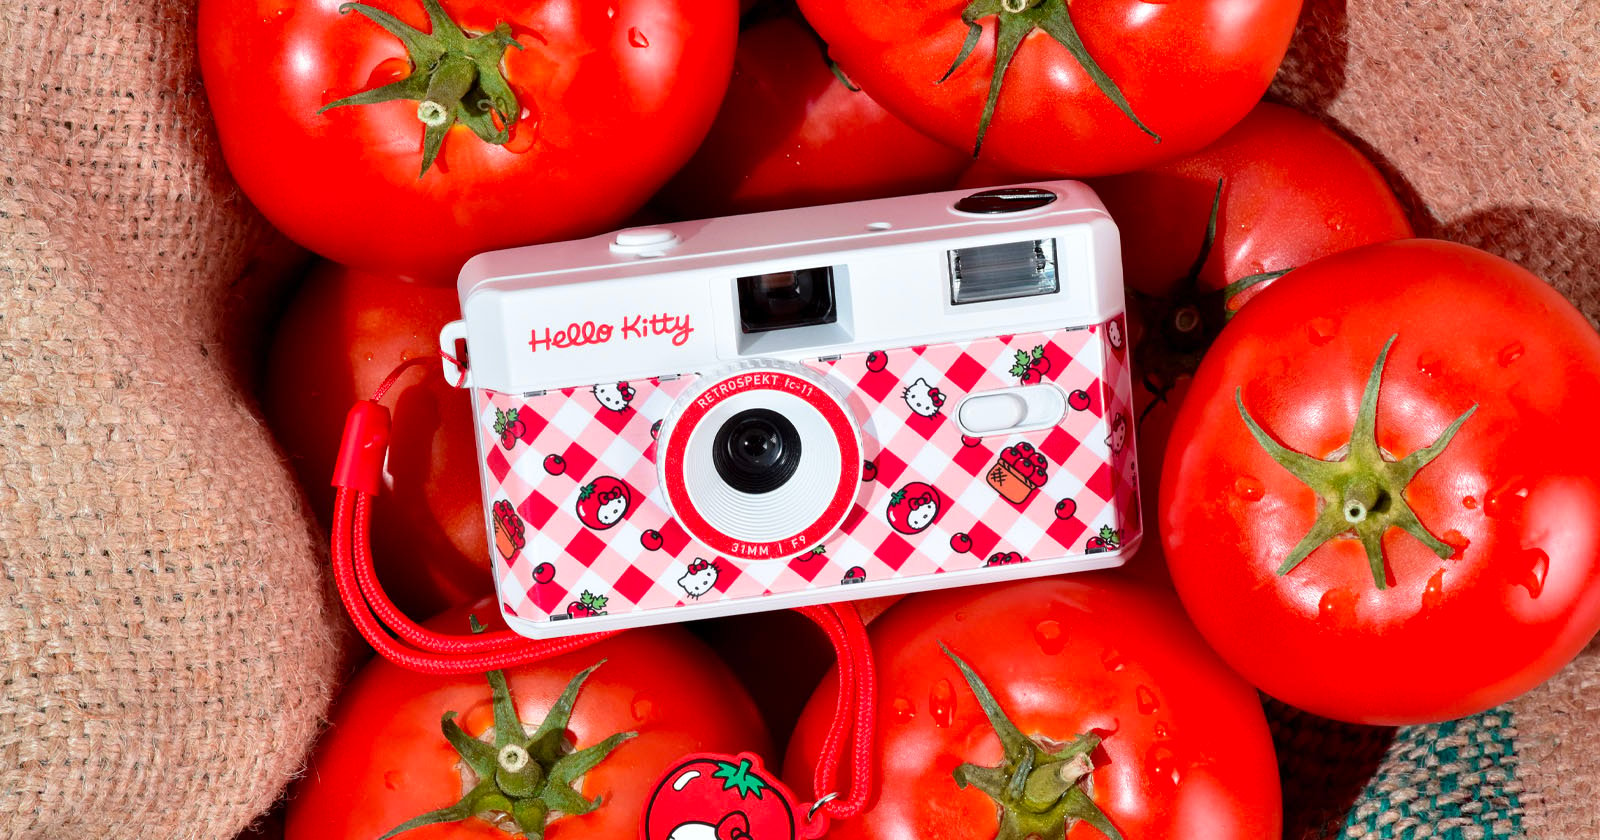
point(610, 495)
point(919, 501)
point(698, 566)
point(735, 826)
point(625, 390)
point(938, 398)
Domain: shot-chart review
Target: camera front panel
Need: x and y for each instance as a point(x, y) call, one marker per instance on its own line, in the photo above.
point(582, 524)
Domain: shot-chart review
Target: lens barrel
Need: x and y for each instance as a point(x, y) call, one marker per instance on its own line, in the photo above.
point(756, 451)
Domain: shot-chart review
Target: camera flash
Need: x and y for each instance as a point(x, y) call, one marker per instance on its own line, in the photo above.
point(1007, 270)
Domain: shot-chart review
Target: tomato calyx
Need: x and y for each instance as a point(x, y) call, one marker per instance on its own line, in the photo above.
point(1187, 320)
point(455, 76)
point(1363, 491)
point(522, 781)
point(1015, 20)
point(1040, 791)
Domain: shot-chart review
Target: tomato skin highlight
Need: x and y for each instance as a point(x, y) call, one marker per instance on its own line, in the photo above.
point(384, 761)
point(1516, 490)
point(1189, 71)
point(344, 183)
point(1063, 655)
point(791, 134)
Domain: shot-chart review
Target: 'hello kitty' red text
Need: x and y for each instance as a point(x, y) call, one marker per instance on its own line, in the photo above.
point(675, 327)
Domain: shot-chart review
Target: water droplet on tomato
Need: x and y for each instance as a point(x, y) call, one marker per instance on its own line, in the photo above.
point(1509, 353)
point(961, 615)
point(1337, 607)
point(1456, 540)
point(1248, 488)
point(942, 703)
point(1049, 636)
point(1162, 764)
point(394, 779)
point(1470, 502)
point(637, 38)
point(369, 357)
point(902, 710)
point(1112, 659)
point(1162, 731)
point(388, 71)
point(1320, 331)
point(1433, 593)
point(1505, 501)
point(1430, 364)
point(611, 12)
point(1146, 699)
point(1538, 566)
point(643, 708)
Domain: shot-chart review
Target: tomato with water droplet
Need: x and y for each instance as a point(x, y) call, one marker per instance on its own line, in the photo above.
point(1462, 529)
point(556, 155)
point(1162, 703)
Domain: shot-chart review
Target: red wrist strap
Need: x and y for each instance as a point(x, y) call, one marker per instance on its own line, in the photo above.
point(358, 475)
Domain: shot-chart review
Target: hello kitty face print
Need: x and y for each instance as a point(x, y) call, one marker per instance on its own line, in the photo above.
point(1118, 437)
point(615, 397)
point(1114, 333)
point(923, 399)
point(702, 575)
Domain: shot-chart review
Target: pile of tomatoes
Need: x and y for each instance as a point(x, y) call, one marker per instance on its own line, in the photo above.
point(1363, 454)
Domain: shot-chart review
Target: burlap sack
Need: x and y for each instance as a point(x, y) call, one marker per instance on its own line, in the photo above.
point(1485, 116)
point(166, 647)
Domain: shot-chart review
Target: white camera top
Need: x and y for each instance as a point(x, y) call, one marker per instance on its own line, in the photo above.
point(675, 298)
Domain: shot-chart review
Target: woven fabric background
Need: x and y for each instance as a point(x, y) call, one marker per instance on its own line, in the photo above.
point(1485, 117)
point(166, 645)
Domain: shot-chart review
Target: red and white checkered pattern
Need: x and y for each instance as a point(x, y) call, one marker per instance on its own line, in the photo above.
point(614, 563)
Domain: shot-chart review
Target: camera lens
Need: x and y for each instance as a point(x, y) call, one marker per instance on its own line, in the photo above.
point(786, 299)
point(756, 451)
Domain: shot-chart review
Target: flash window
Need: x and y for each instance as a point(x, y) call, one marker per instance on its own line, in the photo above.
point(1000, 272)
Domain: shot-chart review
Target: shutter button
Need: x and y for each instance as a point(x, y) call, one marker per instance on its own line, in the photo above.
point(644, 242)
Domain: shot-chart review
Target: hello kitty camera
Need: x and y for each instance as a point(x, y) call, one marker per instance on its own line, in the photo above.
point(779, 409)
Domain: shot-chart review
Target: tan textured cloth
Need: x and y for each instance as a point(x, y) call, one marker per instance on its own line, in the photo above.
point(166, 645)
point(1485, 116)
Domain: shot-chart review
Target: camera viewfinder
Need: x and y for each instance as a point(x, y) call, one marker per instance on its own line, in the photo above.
point(786, 299)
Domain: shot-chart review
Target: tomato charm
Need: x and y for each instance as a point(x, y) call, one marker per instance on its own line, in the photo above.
point(1081, 707)
point(1378, 502)
point(404, 136)
point(717, 797)
point(1090, 87)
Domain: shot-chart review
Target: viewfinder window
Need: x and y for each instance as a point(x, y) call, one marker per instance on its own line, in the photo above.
point(787, 299)
point(1000, 272)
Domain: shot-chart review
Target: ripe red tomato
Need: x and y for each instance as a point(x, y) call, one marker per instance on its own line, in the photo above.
point(791, 134)
point(1183, 747)
point(1187, 71)
point(342, 334)
point(384, 760)
point(1293, 191)
point(1472, 579)
point(602, 102)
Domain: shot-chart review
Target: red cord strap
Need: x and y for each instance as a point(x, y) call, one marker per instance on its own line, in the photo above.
point(358, 475)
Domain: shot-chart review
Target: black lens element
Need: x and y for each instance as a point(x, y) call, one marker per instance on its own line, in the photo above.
point(756, 451)
point(786, 299)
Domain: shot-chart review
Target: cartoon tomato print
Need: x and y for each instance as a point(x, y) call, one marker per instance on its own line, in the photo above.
point(603, 502)
point(716, 797)
point(913, 508)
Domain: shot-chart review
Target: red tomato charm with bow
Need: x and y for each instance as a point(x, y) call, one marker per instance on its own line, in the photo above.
point(719, 797)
